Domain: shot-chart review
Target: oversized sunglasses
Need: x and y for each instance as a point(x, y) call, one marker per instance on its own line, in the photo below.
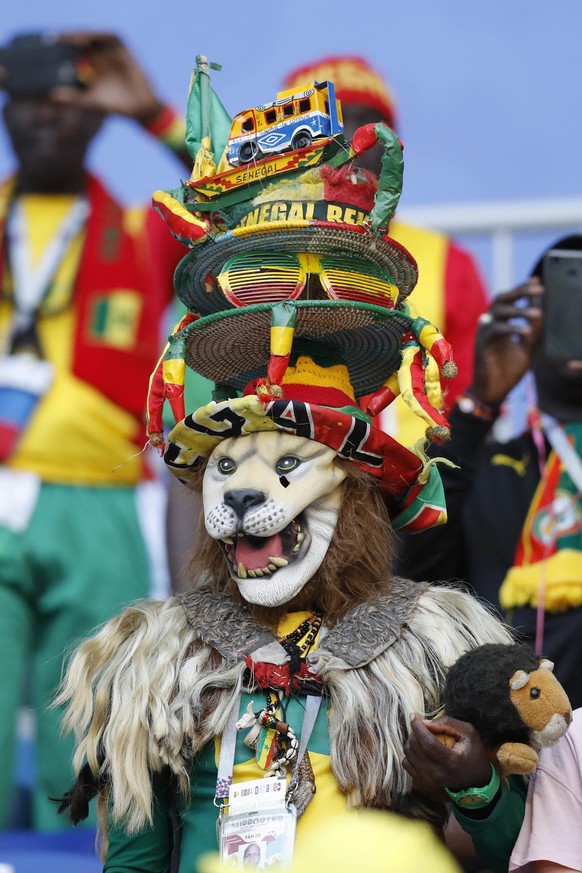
point(259, 277)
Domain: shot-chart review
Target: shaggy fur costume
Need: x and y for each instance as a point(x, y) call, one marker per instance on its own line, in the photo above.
point(159, 681)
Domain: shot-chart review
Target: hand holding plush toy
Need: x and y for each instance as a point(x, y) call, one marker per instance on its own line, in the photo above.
point(512, 698)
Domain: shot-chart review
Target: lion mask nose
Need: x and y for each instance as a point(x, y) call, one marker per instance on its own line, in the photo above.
point(242, 500)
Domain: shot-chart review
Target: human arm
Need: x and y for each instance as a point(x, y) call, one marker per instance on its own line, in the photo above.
point(435, 766)
point(507, 339)
point(120, 87)
point(149, 850)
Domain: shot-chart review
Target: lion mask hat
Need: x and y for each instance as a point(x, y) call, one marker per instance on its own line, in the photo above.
point(299, 314)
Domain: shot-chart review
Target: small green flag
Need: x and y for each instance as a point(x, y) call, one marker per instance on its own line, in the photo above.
point(207, 121)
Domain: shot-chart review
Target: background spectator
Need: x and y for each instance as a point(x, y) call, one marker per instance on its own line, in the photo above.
point(85, 283)
point(515, 523)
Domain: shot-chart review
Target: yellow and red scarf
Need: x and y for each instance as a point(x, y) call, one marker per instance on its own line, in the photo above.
point(547, 569)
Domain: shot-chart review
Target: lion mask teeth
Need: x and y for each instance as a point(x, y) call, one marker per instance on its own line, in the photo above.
point(256, 556)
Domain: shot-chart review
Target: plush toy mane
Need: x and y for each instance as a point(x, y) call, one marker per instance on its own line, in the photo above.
point(357, 568)
point(491, 710)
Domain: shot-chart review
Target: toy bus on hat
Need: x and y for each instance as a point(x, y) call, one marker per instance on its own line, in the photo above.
point(291, 121)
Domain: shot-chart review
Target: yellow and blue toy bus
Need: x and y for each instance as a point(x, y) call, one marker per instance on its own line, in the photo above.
point(291, 121)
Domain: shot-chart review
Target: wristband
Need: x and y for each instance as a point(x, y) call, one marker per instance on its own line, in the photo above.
point(471, 405)
point(477, 798)
point(168, 127)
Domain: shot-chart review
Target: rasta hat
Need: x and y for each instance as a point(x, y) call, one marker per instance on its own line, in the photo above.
point(355, 82)
point(297, 295)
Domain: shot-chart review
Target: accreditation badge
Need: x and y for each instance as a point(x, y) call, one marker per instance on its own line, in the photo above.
point(259, 828)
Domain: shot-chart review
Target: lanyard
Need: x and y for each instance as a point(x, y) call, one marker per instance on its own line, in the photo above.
point(31, 284)
point(228, 745)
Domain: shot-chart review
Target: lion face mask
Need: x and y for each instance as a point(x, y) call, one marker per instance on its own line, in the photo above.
point(271, 501)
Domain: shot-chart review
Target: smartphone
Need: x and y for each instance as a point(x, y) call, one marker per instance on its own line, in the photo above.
point(562, 304)
point(36, 63)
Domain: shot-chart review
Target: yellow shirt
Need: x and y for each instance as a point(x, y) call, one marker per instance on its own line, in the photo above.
point(76, 434)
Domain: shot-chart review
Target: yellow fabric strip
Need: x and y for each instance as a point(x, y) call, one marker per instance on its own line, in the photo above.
point(174, 371)
point(433, 383)
point(430, 252)
point(560, 576)
point(281, 340)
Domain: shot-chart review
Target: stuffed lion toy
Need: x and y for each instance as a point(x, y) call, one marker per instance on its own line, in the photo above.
point(511, 696)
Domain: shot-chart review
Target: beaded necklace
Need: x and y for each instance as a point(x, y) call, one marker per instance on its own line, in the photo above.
point(277, 748)
point(298, 643)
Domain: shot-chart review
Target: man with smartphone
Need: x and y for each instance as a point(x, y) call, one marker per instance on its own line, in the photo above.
point(515, 513)
point(84, 285)
point(514, 530)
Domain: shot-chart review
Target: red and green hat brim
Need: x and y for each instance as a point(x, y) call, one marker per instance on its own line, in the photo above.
point(232, 347)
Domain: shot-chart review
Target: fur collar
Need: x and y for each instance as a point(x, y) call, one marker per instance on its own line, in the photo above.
point(360, 637)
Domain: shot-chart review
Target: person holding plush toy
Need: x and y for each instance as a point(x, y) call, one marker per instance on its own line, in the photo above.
point(503, 710)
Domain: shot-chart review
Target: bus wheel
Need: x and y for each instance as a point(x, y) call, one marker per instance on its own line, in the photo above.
point(301, 140)
point(248, 151)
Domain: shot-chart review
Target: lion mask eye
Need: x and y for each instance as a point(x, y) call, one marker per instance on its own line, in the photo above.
point(286, 464)
point(534, 693)
point(226, 466)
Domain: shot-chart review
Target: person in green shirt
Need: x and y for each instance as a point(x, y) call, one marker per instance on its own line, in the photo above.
point(493, 827)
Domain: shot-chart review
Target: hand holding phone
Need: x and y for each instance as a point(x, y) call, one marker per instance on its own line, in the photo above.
point(562, 304)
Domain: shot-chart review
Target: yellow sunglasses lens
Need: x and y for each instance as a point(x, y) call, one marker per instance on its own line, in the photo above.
point(361, 281)
point(261, 278)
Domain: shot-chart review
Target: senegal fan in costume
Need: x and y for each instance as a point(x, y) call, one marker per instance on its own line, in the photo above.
point(296, 655)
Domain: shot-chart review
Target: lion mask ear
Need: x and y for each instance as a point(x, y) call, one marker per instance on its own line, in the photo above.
point(547, 665)
point(518, 680)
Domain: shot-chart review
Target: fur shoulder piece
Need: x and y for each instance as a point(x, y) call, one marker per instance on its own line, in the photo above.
point(363, 634)
point(371, 706)
point(224, 624)
point(141, 694)
point(370, 628)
